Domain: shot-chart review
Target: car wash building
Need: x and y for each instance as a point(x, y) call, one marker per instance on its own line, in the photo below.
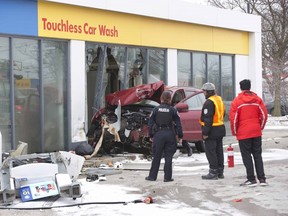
point(59, 58)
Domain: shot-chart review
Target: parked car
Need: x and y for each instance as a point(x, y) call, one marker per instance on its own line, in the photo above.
point(269, 103)
point(129, 111)
point(284, 105)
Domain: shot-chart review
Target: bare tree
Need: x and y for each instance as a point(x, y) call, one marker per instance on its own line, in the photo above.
point(274, 14)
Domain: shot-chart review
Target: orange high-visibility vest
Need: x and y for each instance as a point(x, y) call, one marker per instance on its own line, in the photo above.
point(218, 118)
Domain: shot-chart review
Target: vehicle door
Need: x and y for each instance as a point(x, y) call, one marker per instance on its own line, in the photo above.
point(190, 119)
point(177, 96)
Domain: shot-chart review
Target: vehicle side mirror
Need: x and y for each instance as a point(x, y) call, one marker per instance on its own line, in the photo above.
point(182, 107)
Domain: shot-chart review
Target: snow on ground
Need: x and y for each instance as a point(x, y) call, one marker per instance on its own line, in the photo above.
point(97, 192)
point(275, 123)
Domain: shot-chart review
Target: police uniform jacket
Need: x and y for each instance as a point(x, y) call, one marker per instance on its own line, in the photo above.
point(165, 117)
point(212, 118)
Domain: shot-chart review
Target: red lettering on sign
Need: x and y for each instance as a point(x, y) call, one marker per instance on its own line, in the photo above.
point(104, 31)
point(66, 26)
point(89, 29)
point(62, 26)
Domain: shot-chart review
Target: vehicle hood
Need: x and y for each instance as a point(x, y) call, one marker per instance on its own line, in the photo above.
point(135, 94)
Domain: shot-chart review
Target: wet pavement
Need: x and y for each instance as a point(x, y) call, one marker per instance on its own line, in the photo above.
point(188, 194)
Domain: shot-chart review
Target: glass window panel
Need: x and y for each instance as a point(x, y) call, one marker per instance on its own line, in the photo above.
point(213, 71)
point(94, 54)
point(118, 53)
point(199, 69)
point(227, 76)
point(115, 77)
point(196, 102)
point(184, 69)
point(55, 94)
point(5, 113)
point(27, 88)
point(156, 65)
point(26, 67)
point(177, 97)
point(135, 66)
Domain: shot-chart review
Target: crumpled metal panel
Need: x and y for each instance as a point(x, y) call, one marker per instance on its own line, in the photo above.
point(135, 94)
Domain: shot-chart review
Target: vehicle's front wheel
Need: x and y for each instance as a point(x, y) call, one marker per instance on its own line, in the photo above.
point(200, 146)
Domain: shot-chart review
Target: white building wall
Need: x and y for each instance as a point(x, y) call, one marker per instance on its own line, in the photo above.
point(250, 67)
point(78, 90)
point(172, 76)
point(255, 62)
point(241, 66)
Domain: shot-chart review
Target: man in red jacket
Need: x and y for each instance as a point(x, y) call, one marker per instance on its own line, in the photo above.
point(248, 116)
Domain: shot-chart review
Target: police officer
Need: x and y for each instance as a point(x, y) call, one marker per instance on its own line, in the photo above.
point(163, 124)
point(213, 131)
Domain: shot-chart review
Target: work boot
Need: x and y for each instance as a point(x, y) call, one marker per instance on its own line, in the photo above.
point(212, 175)
point(186, 145)
point(220, 174)
point(189, 149)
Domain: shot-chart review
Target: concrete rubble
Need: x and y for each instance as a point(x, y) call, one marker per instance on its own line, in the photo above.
point(38, 176)
point(35, 176)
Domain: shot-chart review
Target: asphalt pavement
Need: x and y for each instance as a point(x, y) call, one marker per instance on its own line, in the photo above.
point(189, 194)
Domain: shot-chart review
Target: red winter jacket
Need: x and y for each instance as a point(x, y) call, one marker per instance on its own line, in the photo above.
point(248, 115)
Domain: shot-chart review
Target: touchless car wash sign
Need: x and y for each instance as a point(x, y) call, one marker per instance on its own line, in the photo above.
point(90, 24)
point(72, 22)
point(85, 28)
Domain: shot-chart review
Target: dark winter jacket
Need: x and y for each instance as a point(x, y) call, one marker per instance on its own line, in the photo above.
point(170, 120)
point(209, 127)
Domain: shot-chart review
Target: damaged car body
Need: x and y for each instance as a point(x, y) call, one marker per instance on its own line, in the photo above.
point(122, 126)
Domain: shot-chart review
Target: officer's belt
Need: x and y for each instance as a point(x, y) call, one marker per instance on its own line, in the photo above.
point(164, 127)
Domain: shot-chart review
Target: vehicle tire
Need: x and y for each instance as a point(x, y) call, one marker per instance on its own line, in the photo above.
point(200, 146)
point(283, 111)
point(271, 111)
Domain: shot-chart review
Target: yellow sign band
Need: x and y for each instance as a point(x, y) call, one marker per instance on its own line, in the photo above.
point(88, 24)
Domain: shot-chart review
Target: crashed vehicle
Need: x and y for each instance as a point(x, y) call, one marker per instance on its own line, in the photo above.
point(122, 126)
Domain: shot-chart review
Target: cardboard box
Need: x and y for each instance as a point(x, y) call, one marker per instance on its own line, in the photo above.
point(38, 190)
